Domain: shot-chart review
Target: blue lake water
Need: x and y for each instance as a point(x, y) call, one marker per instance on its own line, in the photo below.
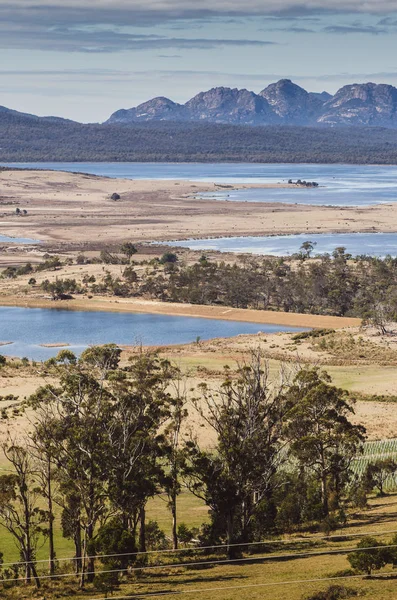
point(5, 239)
point(27, 328)
point(343, 185)
point(372, 244)
point(334, 194)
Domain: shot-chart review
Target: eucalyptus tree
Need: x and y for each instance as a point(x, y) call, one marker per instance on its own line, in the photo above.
point(321, 435)
point(20, 512)
point(141, 408)
point(236, 477)
point(174, 456)
point(78, 410)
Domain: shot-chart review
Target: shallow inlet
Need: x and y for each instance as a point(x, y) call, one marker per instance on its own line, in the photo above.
point(5, 239)
point(29, 328)
point(371, 244)
point(340, 185)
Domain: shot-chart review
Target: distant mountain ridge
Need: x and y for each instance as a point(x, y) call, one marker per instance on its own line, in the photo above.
point(281, 103)
point(284, 123)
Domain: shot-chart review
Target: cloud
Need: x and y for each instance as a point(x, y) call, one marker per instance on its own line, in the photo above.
point(236, 79)
point(347, 29)
point(290, 29)
point(150, 12)
point(63, 39)
point(190, 8)
point(95, 26)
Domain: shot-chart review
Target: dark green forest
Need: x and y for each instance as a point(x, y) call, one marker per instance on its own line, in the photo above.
point(36, 139)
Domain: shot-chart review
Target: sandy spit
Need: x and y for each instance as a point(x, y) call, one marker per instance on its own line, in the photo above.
point(69, 209)
point(187, 310)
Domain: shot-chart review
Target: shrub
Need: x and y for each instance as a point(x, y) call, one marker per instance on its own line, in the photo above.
point(185, 535)
point(334, 592)
point(168, 257)
point(314, 333)
point(155, 537)
point(370, 556)
point(377, 473)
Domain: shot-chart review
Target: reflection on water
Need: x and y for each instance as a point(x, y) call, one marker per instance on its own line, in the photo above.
point(27, 328)
point(372, 244)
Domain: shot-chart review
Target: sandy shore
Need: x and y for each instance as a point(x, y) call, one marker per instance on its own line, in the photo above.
point(75, 211)
point(186, 310)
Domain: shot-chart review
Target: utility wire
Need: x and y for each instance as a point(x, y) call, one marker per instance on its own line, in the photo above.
point(214, 547)
point(267, 557)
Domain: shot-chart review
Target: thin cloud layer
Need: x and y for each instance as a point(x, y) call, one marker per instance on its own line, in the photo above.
point(100, 26)
point(186, 8)
point(74, 40)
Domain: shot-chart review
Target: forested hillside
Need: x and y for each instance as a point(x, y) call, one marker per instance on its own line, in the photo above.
point(24, 138)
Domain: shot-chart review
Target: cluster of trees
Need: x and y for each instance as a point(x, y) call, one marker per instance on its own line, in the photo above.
point(331, 284)
point(107, 437)
point(50, 263)
point(365, 287)
point(34, 139)
point(303, 183)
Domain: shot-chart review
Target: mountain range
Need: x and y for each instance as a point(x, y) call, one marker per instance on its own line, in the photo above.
point(283, 123)
point(281, 103)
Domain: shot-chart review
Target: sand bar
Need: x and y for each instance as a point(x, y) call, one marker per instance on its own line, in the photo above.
point(75, 211)
point(187, 310)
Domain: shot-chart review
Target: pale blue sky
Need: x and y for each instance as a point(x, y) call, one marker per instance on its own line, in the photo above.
point(85, 59)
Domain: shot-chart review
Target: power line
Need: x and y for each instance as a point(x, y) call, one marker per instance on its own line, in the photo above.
point(267, 557)
point(214, 547)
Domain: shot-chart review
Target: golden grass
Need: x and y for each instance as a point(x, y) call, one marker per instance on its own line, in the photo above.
point(260, 577)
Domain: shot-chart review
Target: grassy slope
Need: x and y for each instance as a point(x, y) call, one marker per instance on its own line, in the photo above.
point(200, 582)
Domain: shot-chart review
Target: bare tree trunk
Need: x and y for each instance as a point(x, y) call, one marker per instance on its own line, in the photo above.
point(83, 561)
point(78, 550)
point(324, 494)
point(142, 529)
point(230, 548)
point(36, 577)
point(174, 521)
point(91, 559)
point(51, 565)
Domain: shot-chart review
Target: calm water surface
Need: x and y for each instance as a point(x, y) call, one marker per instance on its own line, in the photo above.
point(372, 244)
point(342, 185)
point(5, 239)
point(27, 328)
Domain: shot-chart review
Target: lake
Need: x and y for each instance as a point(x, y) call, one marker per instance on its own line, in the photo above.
point(27, 328)
point(5, 239)
point(372, 244)
point(342, 185)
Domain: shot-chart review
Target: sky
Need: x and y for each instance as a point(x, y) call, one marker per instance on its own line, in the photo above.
point(85, 59)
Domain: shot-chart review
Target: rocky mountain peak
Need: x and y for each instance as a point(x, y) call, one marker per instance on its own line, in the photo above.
point(283, 102)
point(362, 104)
point(291, 102)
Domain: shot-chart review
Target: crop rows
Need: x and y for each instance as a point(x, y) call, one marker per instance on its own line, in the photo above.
point(374, 451)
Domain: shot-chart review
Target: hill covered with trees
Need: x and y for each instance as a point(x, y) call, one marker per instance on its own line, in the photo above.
point(29, 138)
